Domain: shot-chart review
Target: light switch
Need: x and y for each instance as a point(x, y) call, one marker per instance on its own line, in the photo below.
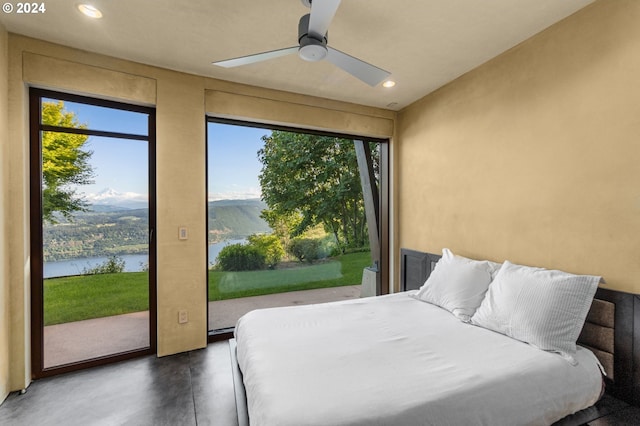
point(183, 233)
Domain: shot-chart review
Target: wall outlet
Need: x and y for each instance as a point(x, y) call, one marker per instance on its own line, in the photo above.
point(183, 318)
point(183, 233)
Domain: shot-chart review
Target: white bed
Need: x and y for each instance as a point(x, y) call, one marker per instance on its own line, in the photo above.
point(395, 360)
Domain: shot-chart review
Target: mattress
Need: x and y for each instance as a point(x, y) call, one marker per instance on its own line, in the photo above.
point(395, 360)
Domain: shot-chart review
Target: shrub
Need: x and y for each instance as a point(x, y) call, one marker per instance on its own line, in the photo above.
point(240, 257)
point(113, 265)
point(270, 247)
point(306, 249)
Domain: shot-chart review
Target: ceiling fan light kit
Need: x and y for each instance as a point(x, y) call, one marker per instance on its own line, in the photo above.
point(312, 46)
point(312, 52)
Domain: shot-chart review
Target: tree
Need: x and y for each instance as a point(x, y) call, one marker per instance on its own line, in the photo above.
point(64, 163)
point(270, 247)
point(316, 177)
point(282, 224)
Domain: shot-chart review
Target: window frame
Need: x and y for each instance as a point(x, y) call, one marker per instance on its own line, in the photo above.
point(382, 258)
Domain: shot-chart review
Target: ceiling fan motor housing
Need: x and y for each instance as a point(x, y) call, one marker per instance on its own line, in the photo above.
point(311, 49)
point(312, 46)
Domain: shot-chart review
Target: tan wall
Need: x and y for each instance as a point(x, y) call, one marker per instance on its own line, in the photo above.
point(534, 156)
point(181, 103)
point(4, 254)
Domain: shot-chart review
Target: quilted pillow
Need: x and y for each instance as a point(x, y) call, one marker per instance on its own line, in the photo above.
point(457, 284)
point(545, 308)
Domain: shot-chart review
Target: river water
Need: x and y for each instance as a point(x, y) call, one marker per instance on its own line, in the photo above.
point(133, 262)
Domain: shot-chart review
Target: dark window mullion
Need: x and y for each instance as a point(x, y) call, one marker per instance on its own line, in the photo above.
point(103, 133)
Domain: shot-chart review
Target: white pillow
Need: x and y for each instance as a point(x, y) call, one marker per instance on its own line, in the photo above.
point(544, 308)
point(457, 284)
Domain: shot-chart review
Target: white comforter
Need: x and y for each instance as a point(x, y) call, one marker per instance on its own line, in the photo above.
point(394, 360)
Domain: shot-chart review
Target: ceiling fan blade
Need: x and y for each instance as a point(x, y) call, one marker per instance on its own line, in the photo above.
point(368, 73)
point(322, 13)
point(258, 57)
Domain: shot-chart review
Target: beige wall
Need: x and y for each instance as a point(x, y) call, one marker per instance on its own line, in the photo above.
point(4, 257)
point(181, 103)
point(534, 156)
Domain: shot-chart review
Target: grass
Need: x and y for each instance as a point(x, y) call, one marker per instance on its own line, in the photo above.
point(83, 297)
point(341, 270)
point(77, 298)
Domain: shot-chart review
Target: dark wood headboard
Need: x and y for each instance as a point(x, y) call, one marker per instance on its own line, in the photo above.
point(611, 331)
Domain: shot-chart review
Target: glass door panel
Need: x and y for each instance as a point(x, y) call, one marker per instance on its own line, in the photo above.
point(94, 285)
point(286, 220)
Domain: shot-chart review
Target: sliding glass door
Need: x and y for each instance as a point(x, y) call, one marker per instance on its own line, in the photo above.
point(92, 217)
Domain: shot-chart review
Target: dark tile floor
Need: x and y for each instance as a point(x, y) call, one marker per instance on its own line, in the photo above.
point(194, 388)
point(608, 411)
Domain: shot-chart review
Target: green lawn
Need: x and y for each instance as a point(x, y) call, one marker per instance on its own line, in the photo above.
point(77, 298)
point(341, 270)
point(82, 297)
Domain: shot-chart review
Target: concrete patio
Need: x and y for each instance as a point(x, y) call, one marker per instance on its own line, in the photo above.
point(82, 340)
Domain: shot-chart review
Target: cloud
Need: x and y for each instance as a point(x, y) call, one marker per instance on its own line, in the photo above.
point(113, 197)
point(110, 196)
point(234, 195)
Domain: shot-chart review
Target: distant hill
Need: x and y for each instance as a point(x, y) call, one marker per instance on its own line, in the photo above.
point(97, 233)
point(110, 229)
point(236, 219)
point(100, 208)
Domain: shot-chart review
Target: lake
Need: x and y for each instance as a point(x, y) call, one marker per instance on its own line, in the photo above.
point(133, 262)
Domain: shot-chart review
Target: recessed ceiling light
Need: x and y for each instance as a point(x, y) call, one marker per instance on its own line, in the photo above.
point(389, 83)
point(90, 11)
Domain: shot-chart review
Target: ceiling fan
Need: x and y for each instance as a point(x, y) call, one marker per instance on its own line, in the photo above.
point(312, 39)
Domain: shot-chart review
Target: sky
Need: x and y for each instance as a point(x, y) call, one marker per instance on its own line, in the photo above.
point(121, 165)
point(233, 166)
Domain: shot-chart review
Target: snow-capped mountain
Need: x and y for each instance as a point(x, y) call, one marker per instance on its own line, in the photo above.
point(112, 197)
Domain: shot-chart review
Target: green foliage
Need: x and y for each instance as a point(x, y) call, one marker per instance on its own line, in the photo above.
point(64, 163)
point(306, 249)
point(270, 247)
point(317, 178)
point(282, 224)
point(113, 265)
point(240, 257)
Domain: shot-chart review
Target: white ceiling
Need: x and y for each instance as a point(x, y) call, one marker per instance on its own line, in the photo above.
point(423, 43)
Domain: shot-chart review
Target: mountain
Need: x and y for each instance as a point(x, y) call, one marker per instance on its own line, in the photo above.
point(110, 199)
point(91, 234)
point(113, 229)
point(236, 219)
point(105, 208)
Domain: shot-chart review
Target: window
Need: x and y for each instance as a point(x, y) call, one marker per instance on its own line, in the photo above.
point(287, 222)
